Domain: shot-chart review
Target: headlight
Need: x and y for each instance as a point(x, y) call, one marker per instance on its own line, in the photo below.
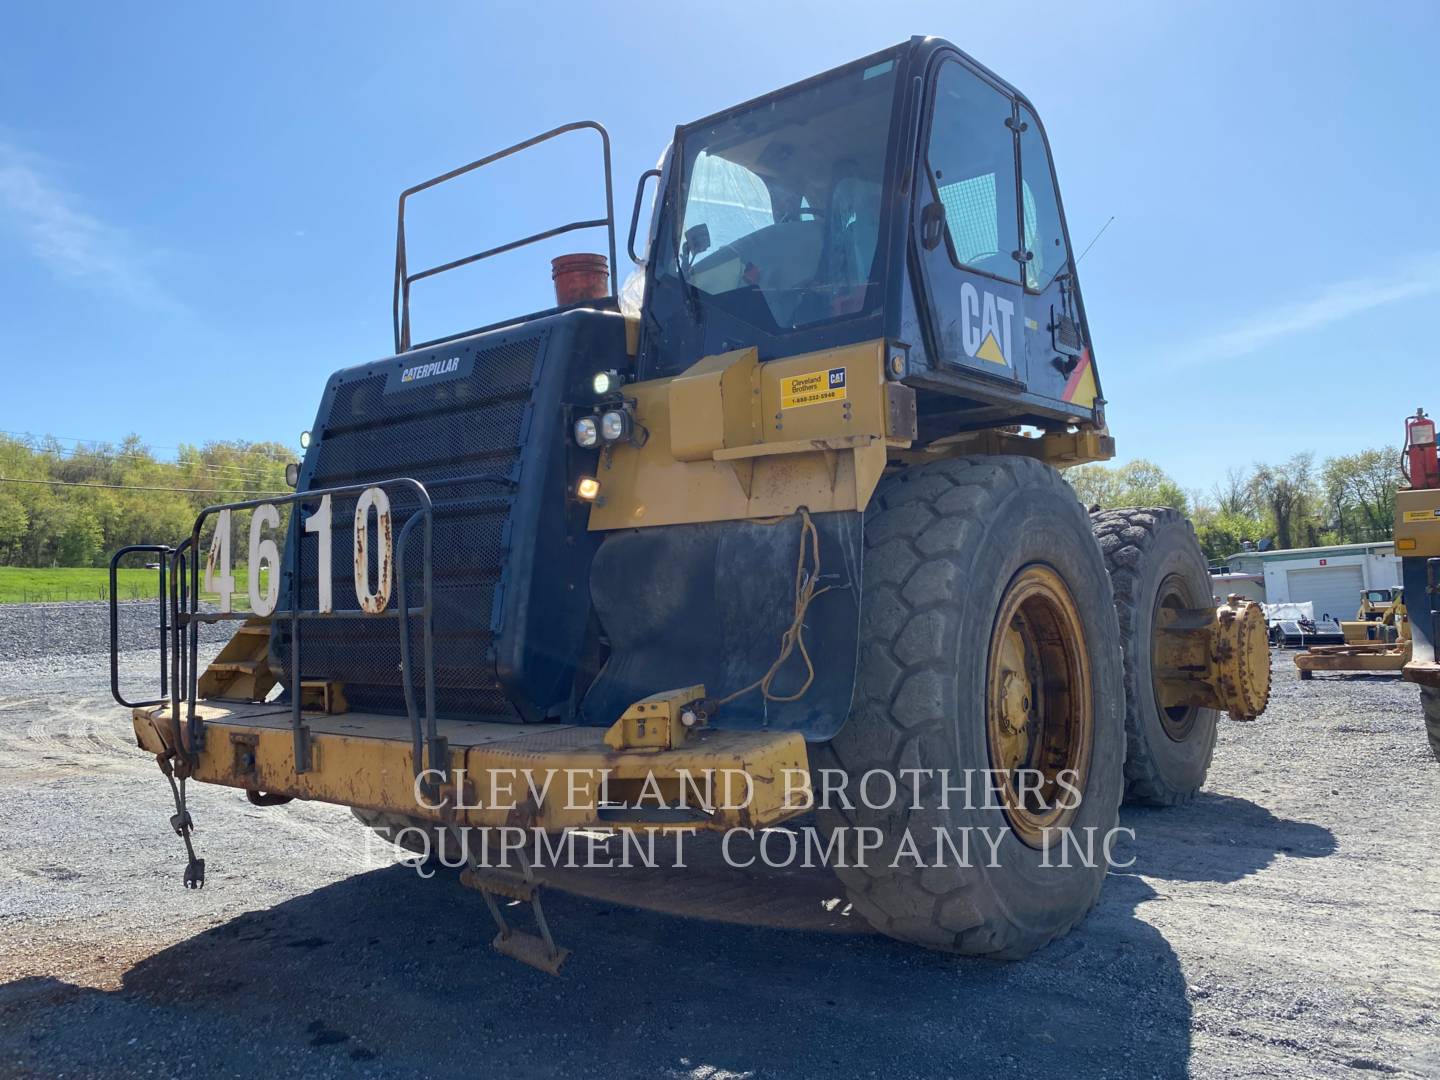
point(586, 433)
point(614, 425)
point(606, 382)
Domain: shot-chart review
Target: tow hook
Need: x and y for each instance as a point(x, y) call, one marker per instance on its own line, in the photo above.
point(183, 824)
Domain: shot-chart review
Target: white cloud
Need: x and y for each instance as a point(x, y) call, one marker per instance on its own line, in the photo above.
point(1331, 304)
point(72, 244)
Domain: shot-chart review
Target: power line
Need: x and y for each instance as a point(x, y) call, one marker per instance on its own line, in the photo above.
point(148, 446)
point(76, 453)
point(141, 487)
point(226, 471)
point(109, 453)
point(217, 470)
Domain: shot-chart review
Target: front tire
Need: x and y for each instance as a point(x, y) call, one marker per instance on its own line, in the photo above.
point(1154, 561)
point(987, 641)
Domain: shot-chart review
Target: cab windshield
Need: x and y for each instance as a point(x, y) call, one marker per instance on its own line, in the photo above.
point(782, 203)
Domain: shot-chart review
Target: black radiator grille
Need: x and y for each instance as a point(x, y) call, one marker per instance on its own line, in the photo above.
point(472, 427)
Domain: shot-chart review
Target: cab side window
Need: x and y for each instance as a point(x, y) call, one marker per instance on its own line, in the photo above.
point(972, 168)
point(1044, 238)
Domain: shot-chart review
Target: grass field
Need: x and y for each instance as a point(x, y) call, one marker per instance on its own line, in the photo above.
point(24, 585)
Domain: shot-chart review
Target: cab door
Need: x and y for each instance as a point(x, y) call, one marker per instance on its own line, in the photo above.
point(1059, 363)
point(966, 225)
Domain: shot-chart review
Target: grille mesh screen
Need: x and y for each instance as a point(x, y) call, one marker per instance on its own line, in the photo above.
point(437, 434)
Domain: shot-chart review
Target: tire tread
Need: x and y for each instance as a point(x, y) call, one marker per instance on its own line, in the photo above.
point(1430, 706)
point(1125, 535)
point(915, 569)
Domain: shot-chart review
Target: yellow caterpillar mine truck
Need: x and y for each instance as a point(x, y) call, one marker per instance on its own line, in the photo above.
point(799, 514)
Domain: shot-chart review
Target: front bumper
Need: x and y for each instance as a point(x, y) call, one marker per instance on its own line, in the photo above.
point(532, 776)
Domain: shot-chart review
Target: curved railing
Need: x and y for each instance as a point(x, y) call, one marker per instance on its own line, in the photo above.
point(400, 312)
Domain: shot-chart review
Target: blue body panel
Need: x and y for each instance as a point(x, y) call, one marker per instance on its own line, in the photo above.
point(481, 422)
point(1418, 602)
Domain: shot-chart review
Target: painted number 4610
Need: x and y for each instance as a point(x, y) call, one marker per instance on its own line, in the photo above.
point(263, 551)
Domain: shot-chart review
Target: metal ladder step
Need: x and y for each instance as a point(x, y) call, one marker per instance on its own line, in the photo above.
point(532, 950)
point(539, 951)
point(485, 879)
point(236, 667)
point(241, 671)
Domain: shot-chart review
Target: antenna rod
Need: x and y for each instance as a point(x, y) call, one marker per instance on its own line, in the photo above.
point(1092, 242)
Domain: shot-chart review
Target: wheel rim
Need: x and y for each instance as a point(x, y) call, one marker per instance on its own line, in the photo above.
point(1177, 721)
point(1039, 718)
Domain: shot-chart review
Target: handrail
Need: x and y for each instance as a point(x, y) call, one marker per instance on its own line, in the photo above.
point(436, 745)
point(635, 214)
point(164, 551)
point(400, 307)
point(179, 604)
point(192, 618)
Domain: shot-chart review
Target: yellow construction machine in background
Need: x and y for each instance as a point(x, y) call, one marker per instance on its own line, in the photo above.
point(1377, 639)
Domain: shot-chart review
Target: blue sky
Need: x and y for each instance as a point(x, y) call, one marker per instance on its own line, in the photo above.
point(197, 204)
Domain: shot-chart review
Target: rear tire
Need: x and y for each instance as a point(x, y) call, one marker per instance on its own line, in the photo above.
point(1153, 558)
point(1430, 705)
point(949, 547)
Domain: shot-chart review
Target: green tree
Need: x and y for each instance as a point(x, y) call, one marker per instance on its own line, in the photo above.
point(1287, 492)
point(1235, 495)
point(14, 522)
point(73, 505)
point(80, 538)
point(1360, 492)
point(1222, 534)
point(1136, 483)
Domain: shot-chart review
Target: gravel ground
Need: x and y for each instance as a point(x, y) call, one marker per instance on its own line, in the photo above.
point(1285, 924)
point(43, 631)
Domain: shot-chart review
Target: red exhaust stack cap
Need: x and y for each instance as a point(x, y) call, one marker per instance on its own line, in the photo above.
point(580, 277)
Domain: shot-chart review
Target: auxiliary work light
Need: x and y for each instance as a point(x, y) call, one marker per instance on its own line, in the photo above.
point(606, 382)
point(615, 425)
point(588, 488)
point(587, 434)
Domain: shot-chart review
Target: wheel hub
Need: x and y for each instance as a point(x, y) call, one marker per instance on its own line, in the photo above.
point(1015, 691)
point(1216, 658)
point(1039, 718)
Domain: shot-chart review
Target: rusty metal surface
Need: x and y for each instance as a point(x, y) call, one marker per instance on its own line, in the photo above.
point(367, 760)
point(1425, 674)
point(659, 721)
point(1354, 658)
point(1216, 658)
point(186, 741)
point(242, 668)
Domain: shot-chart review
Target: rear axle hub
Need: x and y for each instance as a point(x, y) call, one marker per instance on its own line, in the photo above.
point(1217, 658)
